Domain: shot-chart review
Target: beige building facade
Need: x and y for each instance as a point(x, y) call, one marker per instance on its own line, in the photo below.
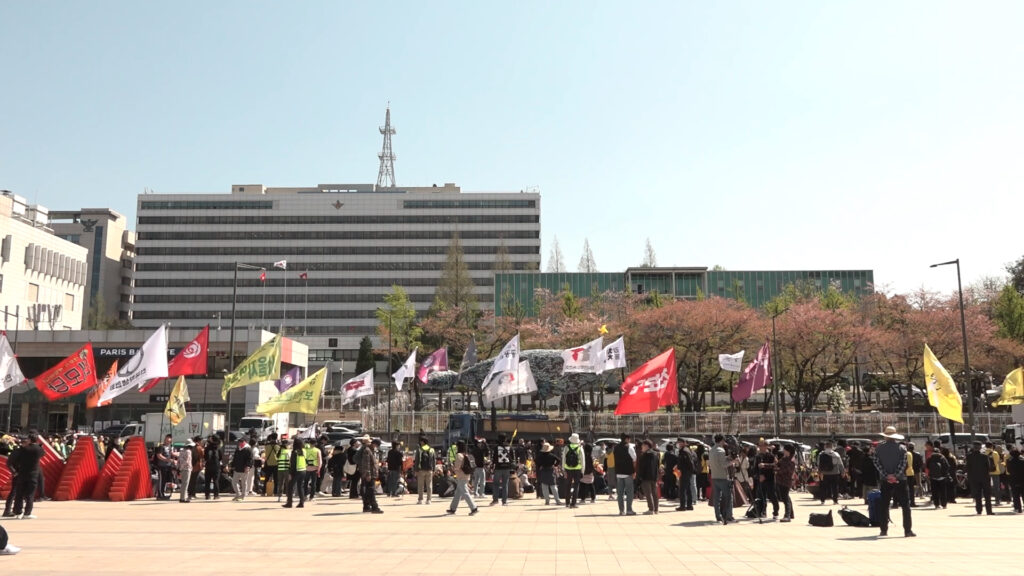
point(42, 276)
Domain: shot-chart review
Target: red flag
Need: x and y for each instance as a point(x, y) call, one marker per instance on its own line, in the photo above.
point(92, 399)
point(755, 376)
point(74, 375)
point(189, 361)
point(650, 386)
point(263, 275)
point(303, 276)
point(436, 362)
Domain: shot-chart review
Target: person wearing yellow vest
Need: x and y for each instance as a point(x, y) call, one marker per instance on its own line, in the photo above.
point(283, 460)
point(994, 472)
point(572, 463)
point(911, 476)
point(313, 462)
point(297, 473)
point(270, 456)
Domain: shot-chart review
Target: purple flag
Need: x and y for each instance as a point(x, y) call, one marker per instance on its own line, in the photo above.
point(755, 376)
point(288, 379)
point(436, 362)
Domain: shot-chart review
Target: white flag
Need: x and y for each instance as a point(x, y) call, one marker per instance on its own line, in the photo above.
point(310, 433)
point(149, 361)
point(731, 362)
point(612, 356)
point(282, 264)
point(407, 370)
point(511, 383)
point(582, 359)
point(357, 387)
point(506, 361)
point(10, 372)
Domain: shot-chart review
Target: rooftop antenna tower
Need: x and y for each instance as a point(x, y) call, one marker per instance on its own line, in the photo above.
point(386, 175)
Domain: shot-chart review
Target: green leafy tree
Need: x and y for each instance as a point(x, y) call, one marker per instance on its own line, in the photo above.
point(1016, 271)
point(364, 361)
point(397, 322)
point(455, 288)
point(1008, 312)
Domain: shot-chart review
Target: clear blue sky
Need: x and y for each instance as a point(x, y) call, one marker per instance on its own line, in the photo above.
point(754, 135)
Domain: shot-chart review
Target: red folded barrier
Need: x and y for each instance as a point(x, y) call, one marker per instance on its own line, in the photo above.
point(132, 481)
point(5, 478)
point(101, 491)
point(80, 472)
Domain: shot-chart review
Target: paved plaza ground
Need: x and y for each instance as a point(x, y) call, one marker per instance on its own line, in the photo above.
point(332, 536)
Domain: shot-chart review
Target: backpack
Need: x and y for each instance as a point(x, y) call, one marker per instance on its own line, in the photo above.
point(825, 462)
point(468, 464)
point(425, 460)
point(854, 518)
point(821, 520)
point(875, 507)
point(572, 457)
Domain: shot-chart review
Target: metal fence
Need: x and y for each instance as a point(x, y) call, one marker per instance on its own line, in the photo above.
point(705, 423)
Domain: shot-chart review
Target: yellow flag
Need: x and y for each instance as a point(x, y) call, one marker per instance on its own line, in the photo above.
point(264, 364)
point(942, 391)
point(1013, 389)
point(303, 397)
point(175, 409)
point(603, 329)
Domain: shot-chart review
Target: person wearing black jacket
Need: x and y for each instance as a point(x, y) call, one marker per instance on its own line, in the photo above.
point(9, 505)
point(25, 465)
point(668, 480)
point(213, 456)
point(938, 477)
point(336, 466)
point(241, 463)
point(977, 478)
point(686, 463)
point(395, 460)
point(647, 473)
point(1015, 474)
point(353, 478)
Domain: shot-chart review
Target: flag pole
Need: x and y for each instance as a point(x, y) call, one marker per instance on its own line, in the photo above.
point(14, 350)
point(284, 302)
point(732, 402)
point(263, 307)
point(305, 303)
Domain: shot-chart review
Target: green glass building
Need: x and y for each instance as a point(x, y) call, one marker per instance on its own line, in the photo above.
point(756, 287)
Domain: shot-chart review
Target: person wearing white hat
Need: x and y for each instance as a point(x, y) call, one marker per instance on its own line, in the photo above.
point(890, 459)
point(185, 456)
point(572, 463)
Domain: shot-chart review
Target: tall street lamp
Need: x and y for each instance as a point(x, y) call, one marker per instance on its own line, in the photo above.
point(967, 362)
point(775, 371)
point(388, 314)
point(231, 351)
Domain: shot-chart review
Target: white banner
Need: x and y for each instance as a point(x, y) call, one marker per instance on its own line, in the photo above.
point(10, 372)
point(582, 359)
point(507, 360)
point(150, 361)
point(357, 387)
point(512, 383)
point(407, 370)
point(731, 362)
point(612, 356)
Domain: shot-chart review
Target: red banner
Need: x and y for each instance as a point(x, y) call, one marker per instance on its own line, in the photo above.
point(74, 375)
point(190, 361)
point(650, 386)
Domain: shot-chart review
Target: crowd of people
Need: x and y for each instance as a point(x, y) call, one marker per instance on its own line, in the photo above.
point(568, 472)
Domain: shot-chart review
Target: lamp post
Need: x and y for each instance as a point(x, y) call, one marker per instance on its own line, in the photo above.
point(967, 362)
point(231, 348)
point(775, 371)
point(388, 314)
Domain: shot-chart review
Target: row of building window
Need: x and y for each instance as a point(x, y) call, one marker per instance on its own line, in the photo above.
point(311, 282)
point(339, 219)
point(293, 298)
point(52, 263)
point(267, 315)
point(208, 205)
point(343, 235)
point(468, 204)
point(340, 266)
point(324, 250)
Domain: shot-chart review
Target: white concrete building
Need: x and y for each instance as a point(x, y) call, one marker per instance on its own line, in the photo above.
point(42, 277)
point(352, 241)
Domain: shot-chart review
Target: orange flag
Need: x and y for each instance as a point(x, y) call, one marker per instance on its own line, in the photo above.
point(92, 400)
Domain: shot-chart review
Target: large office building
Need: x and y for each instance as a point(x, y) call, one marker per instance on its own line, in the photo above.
point(111, 245)
point(338, 250)
point(42, 276)
point(756, 287)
